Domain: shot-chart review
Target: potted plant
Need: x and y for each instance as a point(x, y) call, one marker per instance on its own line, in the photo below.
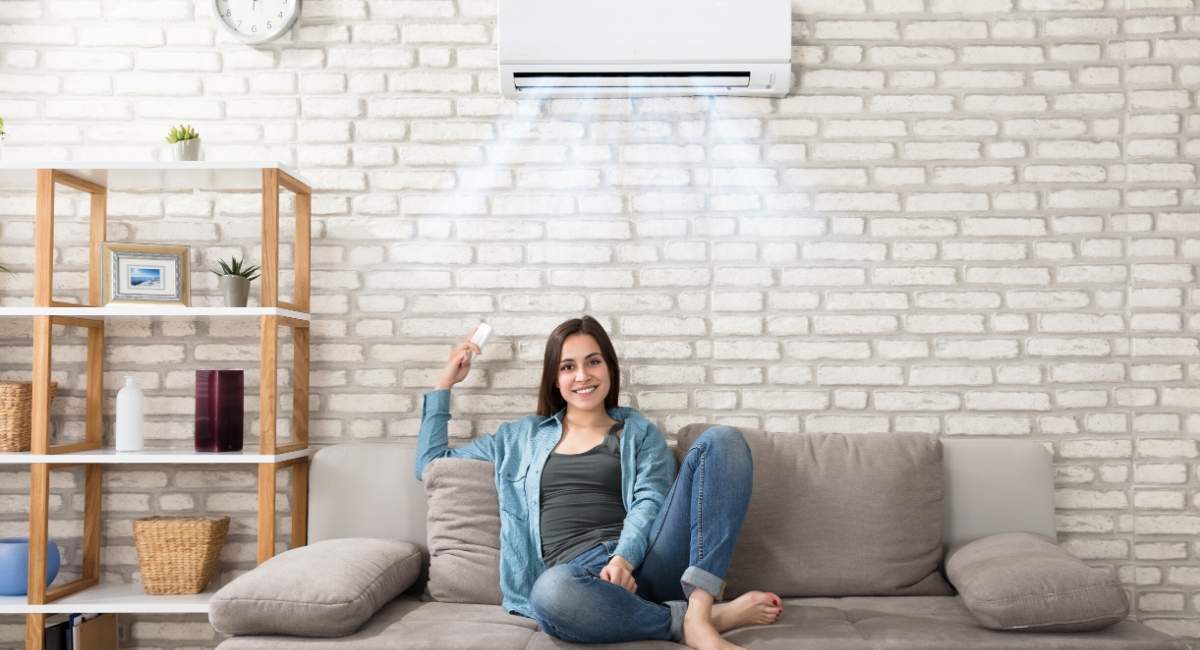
point(185, 142)
point(1, 128)
point(235, 281)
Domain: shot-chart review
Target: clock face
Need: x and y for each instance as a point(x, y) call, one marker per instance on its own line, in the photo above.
point(256, 21)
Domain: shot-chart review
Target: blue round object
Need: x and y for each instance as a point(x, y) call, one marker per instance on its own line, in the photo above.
point(14, 565)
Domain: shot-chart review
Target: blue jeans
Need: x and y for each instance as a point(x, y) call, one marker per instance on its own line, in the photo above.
point(691, 545)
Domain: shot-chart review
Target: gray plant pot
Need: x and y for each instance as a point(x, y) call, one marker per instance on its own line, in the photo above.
point(187, 149)
point(236, 290)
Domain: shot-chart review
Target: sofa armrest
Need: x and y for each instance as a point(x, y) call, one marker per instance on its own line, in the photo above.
point(326, 589)
point(1026, 582)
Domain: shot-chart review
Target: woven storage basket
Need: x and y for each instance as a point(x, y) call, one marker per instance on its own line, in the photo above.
point(177, 555)
point(16, 413)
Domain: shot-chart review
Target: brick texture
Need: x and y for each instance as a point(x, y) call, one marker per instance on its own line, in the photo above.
point(969, 218)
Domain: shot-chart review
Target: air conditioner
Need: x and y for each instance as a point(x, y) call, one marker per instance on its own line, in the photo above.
point(599, 48)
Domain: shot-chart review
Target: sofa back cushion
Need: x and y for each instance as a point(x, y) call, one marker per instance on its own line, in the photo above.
point(839, 515)
point(365, 490)
point(464, 531)
point(996, 486)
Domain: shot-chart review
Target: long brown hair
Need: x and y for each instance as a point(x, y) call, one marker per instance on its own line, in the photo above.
point(550, 400)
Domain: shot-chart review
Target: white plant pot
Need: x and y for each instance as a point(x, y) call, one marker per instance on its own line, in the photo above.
point(187, 149)
point(236, 290)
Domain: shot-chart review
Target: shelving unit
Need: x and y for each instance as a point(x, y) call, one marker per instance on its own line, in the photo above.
point(96, 179)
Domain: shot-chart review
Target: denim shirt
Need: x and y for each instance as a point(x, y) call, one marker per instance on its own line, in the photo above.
point(519, 450)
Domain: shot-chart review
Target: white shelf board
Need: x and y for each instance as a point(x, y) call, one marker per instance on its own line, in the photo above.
point(152, 311)
point(111, 598)
point(148, 175)
point(154, 456)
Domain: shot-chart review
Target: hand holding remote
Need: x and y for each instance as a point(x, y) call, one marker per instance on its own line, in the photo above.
point(482, 332)
point(458, 365)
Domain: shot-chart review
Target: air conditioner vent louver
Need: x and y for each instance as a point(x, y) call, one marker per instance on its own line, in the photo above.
point(547, 81)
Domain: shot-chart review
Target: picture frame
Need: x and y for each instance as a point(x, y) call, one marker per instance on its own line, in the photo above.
point(146, 274)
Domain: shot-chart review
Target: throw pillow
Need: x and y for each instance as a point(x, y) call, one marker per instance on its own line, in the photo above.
point(839, 515)
point(464, 531)
point(325, 589)
point(1024, 581)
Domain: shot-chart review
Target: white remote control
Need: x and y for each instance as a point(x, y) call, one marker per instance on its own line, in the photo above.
point(481, 335)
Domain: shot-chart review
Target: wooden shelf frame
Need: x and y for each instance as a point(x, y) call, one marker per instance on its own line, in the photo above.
point(274, 180)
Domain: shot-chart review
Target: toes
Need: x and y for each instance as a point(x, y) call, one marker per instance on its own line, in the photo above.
point(765, 598)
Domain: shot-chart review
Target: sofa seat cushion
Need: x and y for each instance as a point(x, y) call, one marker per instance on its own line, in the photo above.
point(325, 589)
point(922, 623)
point(861, 623)
point(1023, 581)
point(409, 624)
point(896, 623)
point(840, 515)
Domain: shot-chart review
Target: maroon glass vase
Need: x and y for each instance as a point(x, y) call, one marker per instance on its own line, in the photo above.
point(219, 410)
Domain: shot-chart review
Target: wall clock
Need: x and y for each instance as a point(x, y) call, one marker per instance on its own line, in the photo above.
point(256, 21)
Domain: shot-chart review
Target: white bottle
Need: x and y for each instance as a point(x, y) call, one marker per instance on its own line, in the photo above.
point(129, 417)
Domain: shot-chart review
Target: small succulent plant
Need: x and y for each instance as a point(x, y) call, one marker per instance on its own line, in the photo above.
point(4, 269)
point(1, 128)
point(181, 133)
point(234, 267)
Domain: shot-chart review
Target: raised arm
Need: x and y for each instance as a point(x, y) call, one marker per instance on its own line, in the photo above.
point(434, 438)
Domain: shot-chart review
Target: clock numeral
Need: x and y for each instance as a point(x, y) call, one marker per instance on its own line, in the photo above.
point(254, 28)
point(228, 13)
point(281, 14)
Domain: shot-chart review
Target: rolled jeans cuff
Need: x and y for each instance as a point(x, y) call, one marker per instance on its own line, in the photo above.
point(697, 578)
point(678, 610)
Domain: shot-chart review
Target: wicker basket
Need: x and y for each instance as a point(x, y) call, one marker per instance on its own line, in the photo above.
point(16, 413)
point(177, 555)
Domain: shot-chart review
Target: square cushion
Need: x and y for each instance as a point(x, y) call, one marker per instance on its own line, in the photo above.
point(1023, 581)
point(839, 515)
point(325, 589)
point(464, 531)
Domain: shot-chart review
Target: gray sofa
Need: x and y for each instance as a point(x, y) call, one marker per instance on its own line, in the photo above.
point(990, 487)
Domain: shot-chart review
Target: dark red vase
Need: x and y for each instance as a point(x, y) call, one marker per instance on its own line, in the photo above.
point(219, 410)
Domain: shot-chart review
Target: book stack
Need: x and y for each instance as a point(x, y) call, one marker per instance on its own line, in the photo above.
point(81, 632)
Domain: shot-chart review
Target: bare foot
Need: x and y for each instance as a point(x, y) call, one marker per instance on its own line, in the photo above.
point(751, 608)
point(699, 634)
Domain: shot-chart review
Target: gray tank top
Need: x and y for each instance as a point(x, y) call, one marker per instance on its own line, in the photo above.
point(581, 499)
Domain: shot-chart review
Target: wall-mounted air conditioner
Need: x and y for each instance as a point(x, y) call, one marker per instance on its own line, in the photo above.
point(598, 48)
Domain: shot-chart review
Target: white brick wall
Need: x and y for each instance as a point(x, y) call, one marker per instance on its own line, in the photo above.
point(970, 218)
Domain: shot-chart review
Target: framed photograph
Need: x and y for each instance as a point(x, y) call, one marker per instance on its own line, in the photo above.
point(146, 274)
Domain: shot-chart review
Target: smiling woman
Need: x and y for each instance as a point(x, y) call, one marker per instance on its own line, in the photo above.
point(580, 369)
point(597, 544)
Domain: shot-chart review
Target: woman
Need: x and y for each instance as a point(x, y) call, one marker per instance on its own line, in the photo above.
point(597, 544)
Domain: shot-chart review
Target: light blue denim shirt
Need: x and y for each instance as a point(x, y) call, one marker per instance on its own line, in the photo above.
point(519, 451)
